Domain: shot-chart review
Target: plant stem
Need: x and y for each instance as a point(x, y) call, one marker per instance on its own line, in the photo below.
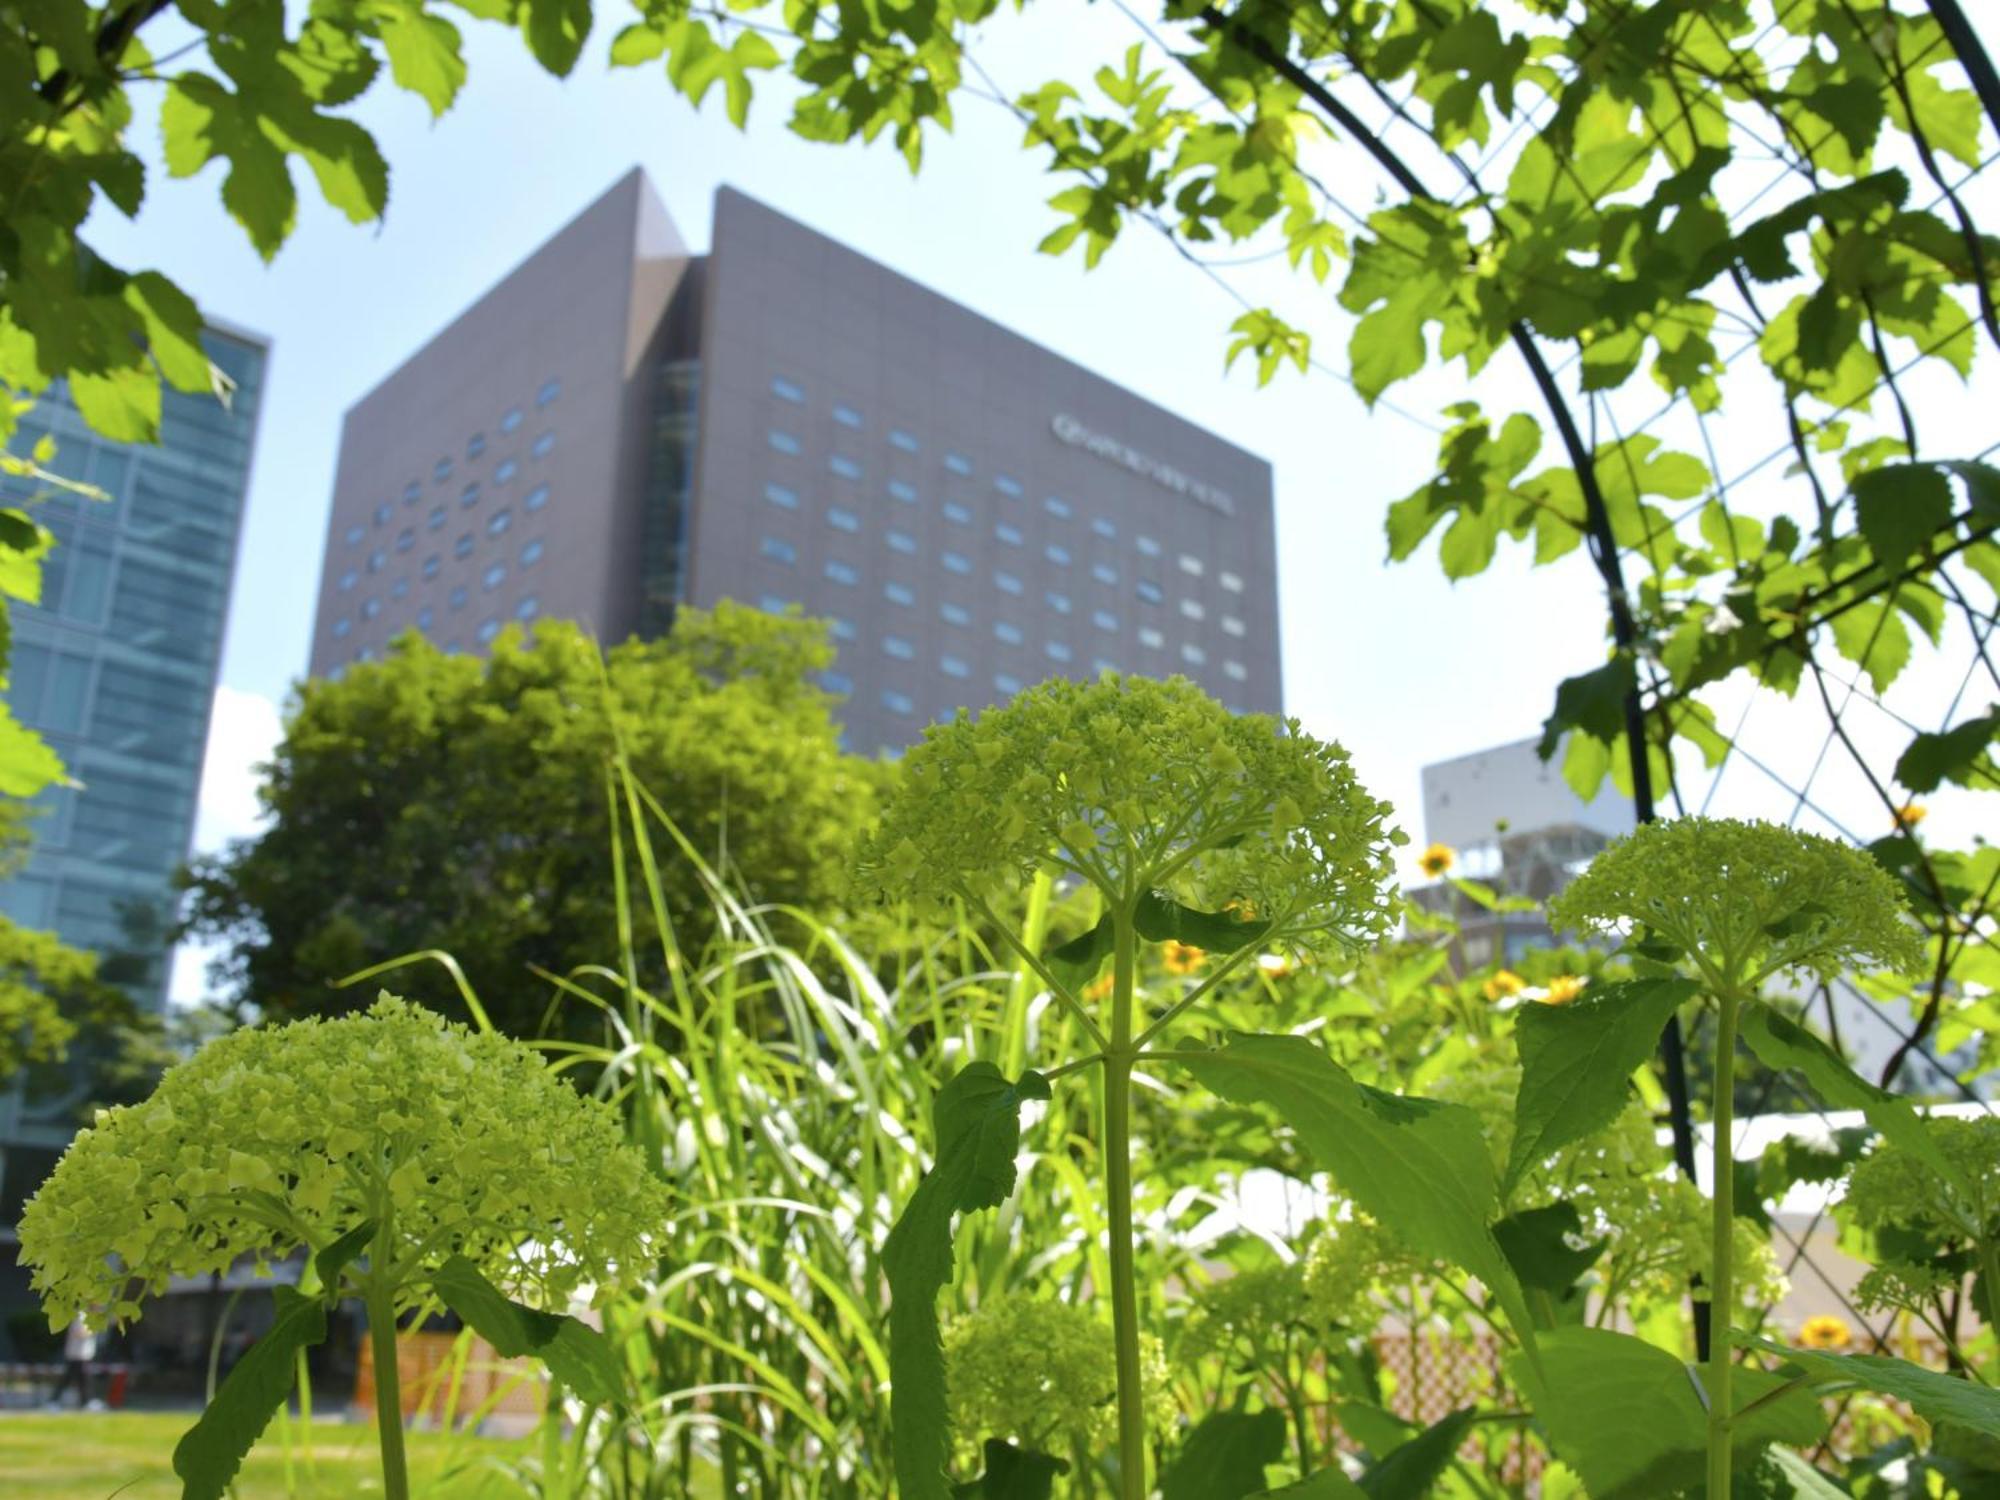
point(381, 1304)
point(1722, 1281)
point(1118, 1056)
point(1989, 1266)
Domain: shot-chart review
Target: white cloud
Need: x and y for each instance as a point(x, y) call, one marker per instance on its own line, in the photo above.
point(244, 730)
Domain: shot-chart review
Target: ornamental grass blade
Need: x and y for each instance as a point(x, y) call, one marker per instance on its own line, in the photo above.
point(1938, 1398)
point(1418, 1166)
point(575, 1353)
point(1576, 1060)
point(209, 1454)
point(978, 1118)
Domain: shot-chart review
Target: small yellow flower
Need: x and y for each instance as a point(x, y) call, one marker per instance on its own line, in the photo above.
point(1437, 859)
point(1825, 1331)
point(1274, 965)
point(1562, 989)
point(1099, 988)
point(1504, 985)
point(1909, 815)
point(1180, 958)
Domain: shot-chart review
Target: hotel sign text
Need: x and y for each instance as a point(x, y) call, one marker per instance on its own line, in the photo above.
point(1166, 475)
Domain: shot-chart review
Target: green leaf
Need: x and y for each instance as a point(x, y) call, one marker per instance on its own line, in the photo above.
point(978, 1119)
point(1160, 920)
point(1077, 961)
point(556, 31)
point(1593, 702)
point(1899, 508)
point(121, 404)
point(1799, 1480)
point(173, 330)
point(27, 764)
point(1625, 1414)
point(209, 1454)
point(1411, 1471)
point(1537, 1245)
point(1013, 1474)
point(1935, 1397)
point(1418, 1166)
point(1957, 755)
point(1327, 1484)
point(424, 54)
point(24, 546)
point(1223, 1458)
point(336, 1257)
point(1781, 1042)
point(575, 1353)
point(1577, 1062)
point(1872, 636)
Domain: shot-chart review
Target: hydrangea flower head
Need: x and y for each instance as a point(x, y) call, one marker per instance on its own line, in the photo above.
point(1045, 1373)
point(1136, 784)
point(1746, 900)
point(277, 1138)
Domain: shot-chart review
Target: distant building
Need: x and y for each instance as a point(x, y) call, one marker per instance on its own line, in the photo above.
point(117, 669)
point(1515, 825)
point(621, 427)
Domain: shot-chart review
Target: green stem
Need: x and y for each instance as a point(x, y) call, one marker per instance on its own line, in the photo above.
point(381, 1304)
point(1722, 1281)
point(1118, 1056)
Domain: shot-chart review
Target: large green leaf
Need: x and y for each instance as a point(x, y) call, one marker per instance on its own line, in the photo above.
point(1077, 961)
point(1537, 1244)
point(1159, 920)
point(1781, 1042)
point(209, 1454)
point(1625, 1414)
point(576, 1354)
point(1013, 1474)
point(1411, 1471)
point(1958, 755)
point(1419, 1166)
point(337, 1256)
point(1223, 1458)
point(27, 764)
point(1577, 1062)
point(1937, 1398)
point(1899, 507)
point(978, 1118)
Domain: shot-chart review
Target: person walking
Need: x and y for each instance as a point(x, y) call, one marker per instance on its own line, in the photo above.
point(79, 1349)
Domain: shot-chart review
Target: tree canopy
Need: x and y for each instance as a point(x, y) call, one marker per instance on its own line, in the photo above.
point(434, 802)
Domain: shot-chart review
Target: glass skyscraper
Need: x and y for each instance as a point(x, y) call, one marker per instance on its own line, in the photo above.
point(117, 668)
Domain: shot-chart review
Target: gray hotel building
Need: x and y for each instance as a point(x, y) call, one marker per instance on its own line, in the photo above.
point(621, 426)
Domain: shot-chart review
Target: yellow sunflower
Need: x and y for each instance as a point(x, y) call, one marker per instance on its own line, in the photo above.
point(1504, 985)
point(1825, 1331)
point(1562, 989)
point(1910, 814)
point(1437, 859)
point(1180, 958)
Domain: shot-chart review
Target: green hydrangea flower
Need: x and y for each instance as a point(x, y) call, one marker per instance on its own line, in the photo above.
point(1892, 1189)
point(1249, 1311)
point(1745, 900)
point(1135, 784)
point(272, 1139)
point(1045, 1374)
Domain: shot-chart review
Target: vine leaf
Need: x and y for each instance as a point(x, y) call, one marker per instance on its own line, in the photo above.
point(1411, 1471)
point(1625, 1414)
point(1899, 508)
point(1577, 1061)
point(1957, 755)
point(1013, 1474)
point(209, 1454)
point(575, 1353)
point(1419, 1166)
point(978, 1119)
point(1160, 920)
point(1223, 1458)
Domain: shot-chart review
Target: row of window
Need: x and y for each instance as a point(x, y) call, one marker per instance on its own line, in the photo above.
point(843, 519)
point(899, 702)
point(503, 472)
point(527, 609)
point(498, 524)
point(492, 578)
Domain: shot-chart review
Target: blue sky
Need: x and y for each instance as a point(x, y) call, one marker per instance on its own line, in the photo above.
point(1393, 660)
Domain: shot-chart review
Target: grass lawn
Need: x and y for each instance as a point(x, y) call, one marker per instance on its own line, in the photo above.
point(87, 1456)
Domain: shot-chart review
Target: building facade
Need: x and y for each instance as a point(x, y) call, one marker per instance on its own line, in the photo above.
point(117, 668)
point(620, 427)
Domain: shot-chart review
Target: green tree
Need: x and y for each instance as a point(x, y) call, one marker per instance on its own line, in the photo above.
point(434, 802)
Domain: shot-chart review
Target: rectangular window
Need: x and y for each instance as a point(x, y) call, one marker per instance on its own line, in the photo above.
point(842, 520)
point(1190, 565)
point(957, 514)
point(778, 551)
point(897, 703)
point(777, 494)
point(898, 647)
point(955, 614)
point(1057, 555)
point(1150, 638)
point(899, 593)
point(1057, 602)
point(1104, 529)
point(1230, 581)
point(836, 682)
point(1011, 535)
point(841, 572)
point(953, 666)
point(1147, 546)
point(1006, 682)
point(956, 562)
point(1193, 655)
point(1104, 572)
point(1058, 507)
point(1235, 671)
point(1231, 625)
point(1148, 590)
point(773, 604)
point(844, 466)
point(958, 463)
point(785, 390)
point(1007, 486)
point(1103, 619)
point(901, 541)
point(901, 439)
point(846, 416)
point(1192, 609)
point(842, 630)
point(1007, 583)
point(1056, 650)
point(1010, 633)
point(781, 440)
point(904, 492)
